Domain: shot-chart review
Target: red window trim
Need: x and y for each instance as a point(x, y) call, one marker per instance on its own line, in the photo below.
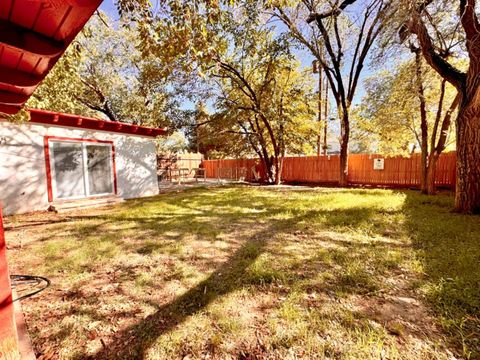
point(46, 149)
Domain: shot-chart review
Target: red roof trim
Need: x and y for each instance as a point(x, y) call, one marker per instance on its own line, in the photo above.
point(8, 109)
point(33, 35)
point(58, 119)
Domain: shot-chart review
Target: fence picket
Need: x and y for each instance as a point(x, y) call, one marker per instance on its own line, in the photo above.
point(398, 171)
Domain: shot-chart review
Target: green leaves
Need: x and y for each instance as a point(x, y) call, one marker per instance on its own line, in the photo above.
point(104, 74)
point(389, 114)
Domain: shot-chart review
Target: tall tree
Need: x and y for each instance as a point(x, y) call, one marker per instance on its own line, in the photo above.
point(431, 152)
point(259, 85)
point(58, 89)
point(103, 75)
point(405, 112)
point(264, 97)
point(467, 197)
point(341, 43)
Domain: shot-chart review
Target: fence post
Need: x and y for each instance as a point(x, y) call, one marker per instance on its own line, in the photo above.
point(398, 171)
point(8, 330)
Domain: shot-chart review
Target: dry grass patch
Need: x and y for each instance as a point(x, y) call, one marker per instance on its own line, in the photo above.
point(252, 273)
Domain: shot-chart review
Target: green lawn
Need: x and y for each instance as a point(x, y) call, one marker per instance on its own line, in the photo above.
point(255, 273)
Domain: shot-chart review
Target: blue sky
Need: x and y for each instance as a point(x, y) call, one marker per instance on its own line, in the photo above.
point(108, 6)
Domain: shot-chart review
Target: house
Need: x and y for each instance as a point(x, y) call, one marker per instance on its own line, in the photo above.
point(55, 158)
point(33, 36)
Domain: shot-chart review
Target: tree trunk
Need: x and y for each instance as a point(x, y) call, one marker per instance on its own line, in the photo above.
point(343, 163)
point(344, 138)
point(424, 154)
point(436, 148)
point(423, 119)
point(268, 168)
point(467, 197)
point(430, 187)
point(425, 163)
point(280, 153)
point(278, 175)
point(271, 169)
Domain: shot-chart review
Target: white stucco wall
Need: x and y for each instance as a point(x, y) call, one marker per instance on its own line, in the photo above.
point(23, 182)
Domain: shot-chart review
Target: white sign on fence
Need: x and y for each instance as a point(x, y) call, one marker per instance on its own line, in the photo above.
point(378, 164)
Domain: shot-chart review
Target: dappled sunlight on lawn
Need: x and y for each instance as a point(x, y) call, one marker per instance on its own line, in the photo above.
point(253, 272)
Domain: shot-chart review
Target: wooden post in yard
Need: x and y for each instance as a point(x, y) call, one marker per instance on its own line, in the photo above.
point(8, 330)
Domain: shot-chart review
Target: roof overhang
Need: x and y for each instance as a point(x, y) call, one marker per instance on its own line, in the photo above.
point(75, 121)
point(33, 36)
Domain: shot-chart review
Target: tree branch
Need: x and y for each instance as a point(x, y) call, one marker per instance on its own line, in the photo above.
point(438, 116)
point(251, 93)
point(333, 12)
point(104, 110)
point(469, 20)
point(438, 63)
point(446, 124)
point(338, 88)
point(372, 34)
point(357, 48)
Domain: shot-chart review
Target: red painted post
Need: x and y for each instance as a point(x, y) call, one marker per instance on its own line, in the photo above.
point(8, 330)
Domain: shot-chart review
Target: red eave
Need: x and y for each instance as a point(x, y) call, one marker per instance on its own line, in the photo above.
point(33, 36)
point(76, 121)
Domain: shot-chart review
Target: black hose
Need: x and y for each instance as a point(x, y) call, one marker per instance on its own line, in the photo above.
point(29, 279)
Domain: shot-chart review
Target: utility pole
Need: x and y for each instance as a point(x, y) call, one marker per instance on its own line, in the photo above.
point(318, 68)
point(325, 125)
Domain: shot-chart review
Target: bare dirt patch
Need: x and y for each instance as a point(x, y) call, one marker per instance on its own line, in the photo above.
point(244, 273)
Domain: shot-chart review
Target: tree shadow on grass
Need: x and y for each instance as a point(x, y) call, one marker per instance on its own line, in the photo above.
point(196, 212)
point(448, 246)
point(151, 231)
point(134, 341)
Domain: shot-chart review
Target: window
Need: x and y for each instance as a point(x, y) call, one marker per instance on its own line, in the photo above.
point(68, 169)
point(81, 169)
point(99, 172)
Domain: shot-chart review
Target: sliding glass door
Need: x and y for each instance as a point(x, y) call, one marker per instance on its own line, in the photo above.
point(81, 169)
point(68, 169)
point(99, 172)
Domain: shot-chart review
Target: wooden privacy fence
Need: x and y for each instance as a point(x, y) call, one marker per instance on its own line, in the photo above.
point(397, 171)
point(250, 168)
point(173, 164)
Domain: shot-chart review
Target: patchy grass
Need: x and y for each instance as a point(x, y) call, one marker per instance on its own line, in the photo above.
point(250, 272)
